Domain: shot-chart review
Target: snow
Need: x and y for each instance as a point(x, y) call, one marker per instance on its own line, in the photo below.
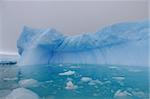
point(28, 83)
point(67, 73)
point(70, 86)
point(22, 93)
point(113, 44)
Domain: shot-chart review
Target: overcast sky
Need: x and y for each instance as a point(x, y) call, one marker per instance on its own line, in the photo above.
point(67, 17)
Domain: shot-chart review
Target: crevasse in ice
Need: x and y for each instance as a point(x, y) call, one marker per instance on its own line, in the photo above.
point(122, 43)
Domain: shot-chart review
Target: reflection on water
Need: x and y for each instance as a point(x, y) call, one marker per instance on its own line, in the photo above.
point(76, 81)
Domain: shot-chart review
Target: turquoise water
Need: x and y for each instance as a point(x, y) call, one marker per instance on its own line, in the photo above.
point(89, 81)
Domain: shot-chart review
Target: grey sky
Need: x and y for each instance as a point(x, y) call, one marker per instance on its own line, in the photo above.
point(67, 17)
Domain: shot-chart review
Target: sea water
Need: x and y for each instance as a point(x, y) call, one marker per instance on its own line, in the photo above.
point(76, 81)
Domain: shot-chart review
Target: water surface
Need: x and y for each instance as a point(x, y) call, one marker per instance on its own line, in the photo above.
point(77, 81)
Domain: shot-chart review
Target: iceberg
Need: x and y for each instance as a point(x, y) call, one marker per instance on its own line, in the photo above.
point(123, 43)
point(8, 58)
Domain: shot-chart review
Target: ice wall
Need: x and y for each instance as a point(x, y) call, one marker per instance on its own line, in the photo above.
point(123, 43)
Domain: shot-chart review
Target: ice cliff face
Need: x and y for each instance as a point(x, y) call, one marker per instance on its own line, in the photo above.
point(123, 43)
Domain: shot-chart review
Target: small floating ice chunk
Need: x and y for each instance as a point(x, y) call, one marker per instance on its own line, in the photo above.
point(60, 65)
point(113, 67)
point(91, 83)
point(10, 79)
point(49, 81)
point(75, 67)
point(107, 82)
point(22, 93)
point(94, 82)
point(139, 94)
point(28, 83)
point(119, 78)
point(122, 95)
point(86, 79)
point(70, 86)
point(67, 73)
point(134, 70)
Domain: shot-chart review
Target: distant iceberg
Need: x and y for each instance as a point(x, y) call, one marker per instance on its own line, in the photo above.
point(122, 43)
point(8, 58)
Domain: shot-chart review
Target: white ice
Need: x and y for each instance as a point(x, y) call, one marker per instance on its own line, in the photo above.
point(67, 73)
point(70, 86)
point(26, 83)
point(86, 79)
point(122, 95)
point(122, 43)
point(22, 93)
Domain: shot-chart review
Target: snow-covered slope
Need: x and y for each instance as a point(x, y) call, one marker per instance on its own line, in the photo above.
point(123, 43)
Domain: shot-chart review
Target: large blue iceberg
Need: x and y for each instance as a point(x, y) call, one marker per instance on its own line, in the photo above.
point(122, 43)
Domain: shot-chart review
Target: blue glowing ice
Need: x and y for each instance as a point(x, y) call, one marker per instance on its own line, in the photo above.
point(122, 43)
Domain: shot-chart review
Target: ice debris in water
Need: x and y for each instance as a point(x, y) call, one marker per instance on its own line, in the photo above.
point(67, 73)
point(60, 65)
point(135, 70)
point(28, 83)
point(10, 79)
point(86, 79)
point(70, 86)
point(122, 95)
point(22, 93)
point(113, 67)
point(75, 67)
point(94, 82)
point(91, 81)
point(119, 78)
point(139, 94)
